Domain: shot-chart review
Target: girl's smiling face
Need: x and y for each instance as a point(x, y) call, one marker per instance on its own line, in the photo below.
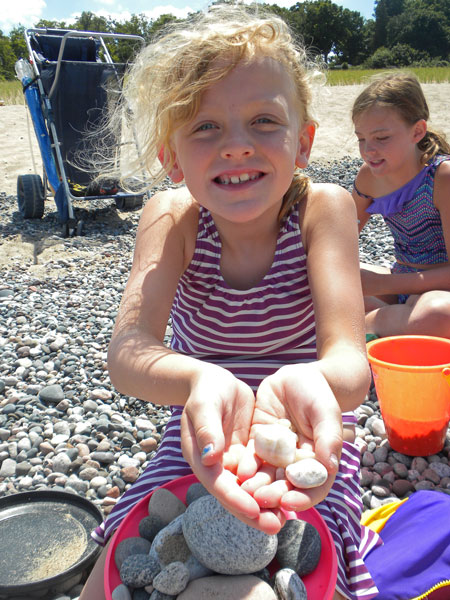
point(386, 142)
point(238, 154)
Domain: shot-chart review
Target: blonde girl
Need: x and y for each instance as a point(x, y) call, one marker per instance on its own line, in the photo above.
point(243, 256)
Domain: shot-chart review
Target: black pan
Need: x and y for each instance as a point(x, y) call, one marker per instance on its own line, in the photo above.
point(45, 539)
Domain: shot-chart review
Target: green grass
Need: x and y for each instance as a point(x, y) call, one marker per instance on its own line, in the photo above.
point(355, 76)
point(11, 92)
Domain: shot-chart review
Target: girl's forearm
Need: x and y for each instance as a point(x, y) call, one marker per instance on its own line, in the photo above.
point(378, 284)
point(348, 374)
point(140, 366)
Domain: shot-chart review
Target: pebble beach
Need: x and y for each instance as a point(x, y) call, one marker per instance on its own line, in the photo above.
point(62, 424)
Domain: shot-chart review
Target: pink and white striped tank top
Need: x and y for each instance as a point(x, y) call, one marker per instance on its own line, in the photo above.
point(251, 332)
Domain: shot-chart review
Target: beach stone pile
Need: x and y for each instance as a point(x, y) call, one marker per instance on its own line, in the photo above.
point(62, 424)
point(205, 552)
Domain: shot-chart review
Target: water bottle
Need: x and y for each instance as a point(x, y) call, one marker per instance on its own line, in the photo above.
point(24, 71)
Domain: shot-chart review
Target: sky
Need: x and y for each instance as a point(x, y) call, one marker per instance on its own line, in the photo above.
point(28, 12)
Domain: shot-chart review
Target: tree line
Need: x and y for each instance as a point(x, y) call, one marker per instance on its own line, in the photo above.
point(401, 33)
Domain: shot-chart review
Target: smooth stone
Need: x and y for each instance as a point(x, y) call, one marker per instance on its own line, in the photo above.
point(222, 542)
point(165, 505)
point(289, 586)
point(52, 393)
point(196, 569)
point(121, 592)
point(138, 570)
point(169, 544)
point(195, 491)
point(157, 595)
point(128, 547)
point(276, 444)
point(306, 473)
point(299, 547)
point(173, 579)
point(149, 526)
point(140, 594)
point(220, 587)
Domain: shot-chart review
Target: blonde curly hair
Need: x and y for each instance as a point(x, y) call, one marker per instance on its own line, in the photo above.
point(402, 92)
point(163, 88)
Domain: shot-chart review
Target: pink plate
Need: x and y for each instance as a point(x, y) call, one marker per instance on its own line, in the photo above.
point(320, 584)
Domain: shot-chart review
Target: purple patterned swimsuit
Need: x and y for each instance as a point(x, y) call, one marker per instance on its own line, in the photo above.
point(252, 333)
point(413, 220)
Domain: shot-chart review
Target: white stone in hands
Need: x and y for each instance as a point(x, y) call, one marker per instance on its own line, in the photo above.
point(276, 444)
point(306, 473)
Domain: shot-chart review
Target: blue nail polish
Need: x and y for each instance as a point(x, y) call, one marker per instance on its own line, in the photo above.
point(207, 449)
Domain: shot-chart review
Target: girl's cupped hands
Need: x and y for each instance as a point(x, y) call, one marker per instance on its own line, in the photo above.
point(218, 425)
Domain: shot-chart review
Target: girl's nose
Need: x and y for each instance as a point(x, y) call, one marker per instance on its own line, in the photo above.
point(368, 147)
point(237, 145)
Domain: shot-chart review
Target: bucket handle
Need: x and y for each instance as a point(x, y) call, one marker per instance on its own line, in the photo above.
point(446, 374)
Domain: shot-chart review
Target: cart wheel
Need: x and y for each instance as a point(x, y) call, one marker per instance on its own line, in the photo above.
point(79, 228)
point(30, 196)
point(65, 231)
point(120, 202)
point(129, 202)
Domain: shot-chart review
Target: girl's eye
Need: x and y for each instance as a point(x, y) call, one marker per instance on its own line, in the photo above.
point(383, 139)
point(205, 127)
point(264, 121)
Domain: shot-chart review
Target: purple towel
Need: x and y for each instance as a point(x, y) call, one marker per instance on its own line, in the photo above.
point(415, 555)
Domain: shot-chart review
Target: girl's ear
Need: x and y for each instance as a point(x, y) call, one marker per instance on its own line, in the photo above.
point(420, 129)
point(175, 173)
point(305, 142)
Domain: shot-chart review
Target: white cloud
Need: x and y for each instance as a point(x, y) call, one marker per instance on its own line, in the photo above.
point(20, 12)
point(168, 9)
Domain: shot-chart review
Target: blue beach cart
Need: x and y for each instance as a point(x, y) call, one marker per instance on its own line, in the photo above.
point(68, 82)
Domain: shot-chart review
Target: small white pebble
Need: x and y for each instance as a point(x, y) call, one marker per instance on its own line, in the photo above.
point(275, 444)
point(304, 452)
point(306, 473)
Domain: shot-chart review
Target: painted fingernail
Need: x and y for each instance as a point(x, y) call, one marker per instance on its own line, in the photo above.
point(207, 449)
point(334, 461)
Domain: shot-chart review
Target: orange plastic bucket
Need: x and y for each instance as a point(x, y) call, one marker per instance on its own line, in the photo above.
point(412, 380)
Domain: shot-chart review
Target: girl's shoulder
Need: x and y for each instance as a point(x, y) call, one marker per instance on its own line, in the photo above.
point(325, 200)
point(364, 184)
point(173, 206)
point(171, 214)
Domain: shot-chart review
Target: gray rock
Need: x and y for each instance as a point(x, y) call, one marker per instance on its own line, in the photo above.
point(299, 547)
point(223, 543)
point(150, 526)
point(138, 570)
point(195, 491)
point(221, 587)
point(165, 505)
point(140, 594)
point(128, 547)
point(289, 586)
point(157, 595)
point(196, 569)
point(169, 544)
point(51, 394)
point(173, 579)
point(121, 592)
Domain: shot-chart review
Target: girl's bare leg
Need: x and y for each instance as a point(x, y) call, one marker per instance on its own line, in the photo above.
point(94, 588)
point(427, 314)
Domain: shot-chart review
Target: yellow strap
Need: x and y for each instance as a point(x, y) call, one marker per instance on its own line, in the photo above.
point(376, 518)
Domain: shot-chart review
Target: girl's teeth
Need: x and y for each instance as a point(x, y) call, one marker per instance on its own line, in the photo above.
point(225, 179)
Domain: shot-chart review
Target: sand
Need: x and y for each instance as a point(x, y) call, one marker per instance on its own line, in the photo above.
point(335, 139)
